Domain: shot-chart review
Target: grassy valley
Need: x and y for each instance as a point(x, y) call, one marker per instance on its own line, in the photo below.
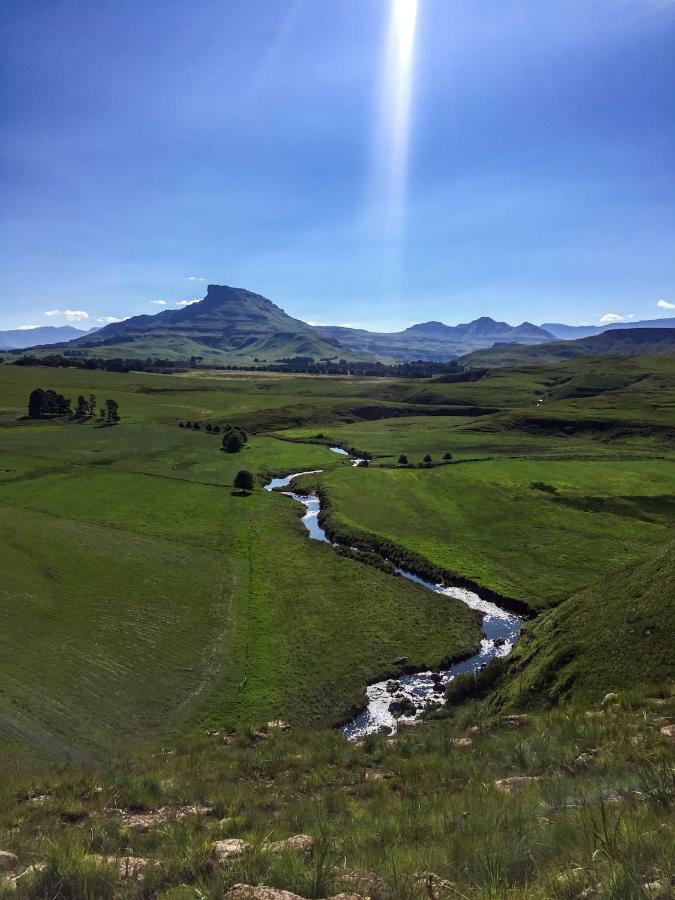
point(146, 602)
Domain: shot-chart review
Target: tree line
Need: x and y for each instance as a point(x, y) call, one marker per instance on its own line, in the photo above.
point(48, 404)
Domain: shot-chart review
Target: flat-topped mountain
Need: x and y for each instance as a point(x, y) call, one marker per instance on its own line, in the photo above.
point(229, 323)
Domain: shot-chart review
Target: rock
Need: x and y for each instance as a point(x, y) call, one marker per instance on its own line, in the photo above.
point(378, 776)
point(393, 686)
point(365, 881)
point(259, 892)
point(668, 731)
point(279, 724)
point(611, 697)
point(462, 742)
point(583, 761)
point(231, 848)
point(399, 660)
point(8, 861)
point(402, 706)
point(300, 843)
point(657, 889)
point(153, 819)
point(435, 886)
point(129, 867)
point(515, 783)
point(515, 721)
point(499, 642)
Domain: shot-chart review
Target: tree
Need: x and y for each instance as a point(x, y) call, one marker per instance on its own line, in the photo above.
point(243, 481)
point(427, 459)
point(92, 404)
point(112, 415)
point(37, 404)
point(447, 456)
point(216, 429)
point(209, 427)
point(232, 442)
point(83, 408)
point(403, 460)
point(362, 464)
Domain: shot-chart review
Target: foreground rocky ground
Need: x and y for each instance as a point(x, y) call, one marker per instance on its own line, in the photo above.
point(577, 802)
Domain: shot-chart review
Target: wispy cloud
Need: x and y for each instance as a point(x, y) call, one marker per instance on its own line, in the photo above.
point(188, 302)
point(664, 304)
point(158, 302)
point(26, 327)
point(71, 315)
point(195, 278)
point(111, 320)
point(611, 318)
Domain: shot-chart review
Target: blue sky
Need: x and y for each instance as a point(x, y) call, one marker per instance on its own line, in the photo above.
point(150, 148)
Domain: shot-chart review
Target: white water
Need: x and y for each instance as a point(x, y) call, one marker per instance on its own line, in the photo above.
point(500, 632)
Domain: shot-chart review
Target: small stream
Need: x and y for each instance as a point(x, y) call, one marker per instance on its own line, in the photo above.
point(500, 632)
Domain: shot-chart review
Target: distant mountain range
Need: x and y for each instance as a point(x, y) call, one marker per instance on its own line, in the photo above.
point(434, 340)
point(20, 338)
point(233, 325)
point(572, 332)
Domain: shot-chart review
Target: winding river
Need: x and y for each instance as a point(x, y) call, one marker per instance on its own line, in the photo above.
point(501, 629)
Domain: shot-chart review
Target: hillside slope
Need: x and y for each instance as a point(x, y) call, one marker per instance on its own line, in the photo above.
point(616, 635)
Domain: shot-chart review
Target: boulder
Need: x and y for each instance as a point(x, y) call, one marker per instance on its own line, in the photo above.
point(231, 848)
point(515, 721)
point(515, 783)
point(402, 706)
point(609, 698)
point(279, 724)
point(399, 660)
point(462, 742)
point(393, 686)
point(8, 861)
point(299, 843)
point(668, 732)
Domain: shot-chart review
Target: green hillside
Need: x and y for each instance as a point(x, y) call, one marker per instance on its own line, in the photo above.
point(616, 341)
point(616, 635)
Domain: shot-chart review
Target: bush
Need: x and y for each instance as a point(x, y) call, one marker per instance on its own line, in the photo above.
point(403, 460)
point(243, 481)
point(447, 456)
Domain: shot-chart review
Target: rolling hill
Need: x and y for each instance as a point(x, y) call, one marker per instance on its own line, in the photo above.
point(626, 342)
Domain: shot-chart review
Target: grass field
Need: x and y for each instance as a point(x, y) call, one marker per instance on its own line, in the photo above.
point(143, 599)
point(141, 594)
point(534, 530)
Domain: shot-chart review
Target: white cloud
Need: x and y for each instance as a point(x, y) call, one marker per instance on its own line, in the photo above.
point(158, 302)
point(188, 302)
point(611, 318)
point(71, 315)
point(111, 320)
point(195, 278)
point(664, 304)
point(345, 325)
point(26, 327)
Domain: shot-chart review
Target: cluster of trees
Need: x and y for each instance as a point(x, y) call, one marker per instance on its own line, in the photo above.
point(49, 404)
point(403, 459)
point(234, 438)
point(78, 359)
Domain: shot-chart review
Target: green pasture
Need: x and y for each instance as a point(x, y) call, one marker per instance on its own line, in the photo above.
point(536, 530)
